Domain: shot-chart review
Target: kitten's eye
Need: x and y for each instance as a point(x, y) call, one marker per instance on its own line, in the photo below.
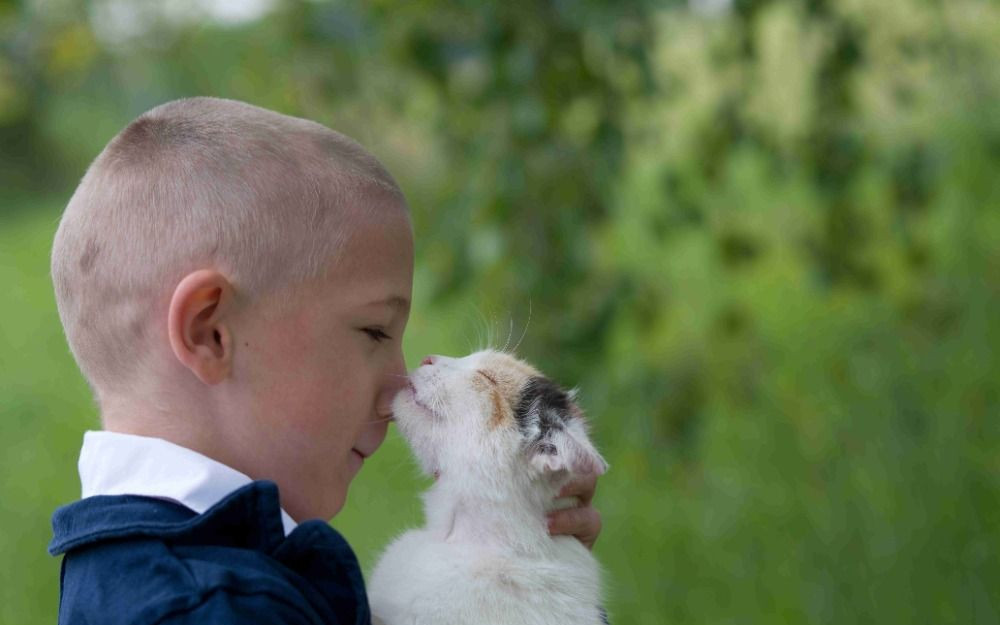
point(376, 334)
point(489, 377)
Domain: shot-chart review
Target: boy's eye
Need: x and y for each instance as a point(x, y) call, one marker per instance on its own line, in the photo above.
point(376, 334)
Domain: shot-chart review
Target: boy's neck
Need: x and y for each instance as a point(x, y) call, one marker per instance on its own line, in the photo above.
point(154, 421)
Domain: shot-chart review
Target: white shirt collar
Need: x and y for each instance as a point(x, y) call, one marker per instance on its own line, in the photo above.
point(112, 463)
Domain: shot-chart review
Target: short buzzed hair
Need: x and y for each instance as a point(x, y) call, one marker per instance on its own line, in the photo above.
point(194, 183)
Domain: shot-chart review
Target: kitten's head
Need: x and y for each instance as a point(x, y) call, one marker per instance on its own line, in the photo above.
point(492, 411)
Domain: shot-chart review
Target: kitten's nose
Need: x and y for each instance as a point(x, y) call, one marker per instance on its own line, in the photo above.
point(429, 360)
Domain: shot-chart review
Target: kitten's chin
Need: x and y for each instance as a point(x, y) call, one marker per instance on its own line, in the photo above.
point(427, 466)
point(410, 417)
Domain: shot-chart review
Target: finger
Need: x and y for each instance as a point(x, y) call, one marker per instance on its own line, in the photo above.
point(582, 523)
point(582, 486)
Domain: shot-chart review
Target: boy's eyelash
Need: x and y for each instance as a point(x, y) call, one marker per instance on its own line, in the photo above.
point(376, 334)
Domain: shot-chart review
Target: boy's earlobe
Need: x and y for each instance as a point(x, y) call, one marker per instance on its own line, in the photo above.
point(198, 325)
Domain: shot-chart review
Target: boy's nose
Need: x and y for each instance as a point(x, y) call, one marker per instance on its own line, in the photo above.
point(429, 360)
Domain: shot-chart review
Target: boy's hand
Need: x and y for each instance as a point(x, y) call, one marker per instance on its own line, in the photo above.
point(583, 521)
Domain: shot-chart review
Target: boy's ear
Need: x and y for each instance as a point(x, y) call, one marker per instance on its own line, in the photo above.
point(198, 324)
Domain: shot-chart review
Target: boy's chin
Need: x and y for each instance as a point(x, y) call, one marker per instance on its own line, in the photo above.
point(333, 505)
point(322, 501)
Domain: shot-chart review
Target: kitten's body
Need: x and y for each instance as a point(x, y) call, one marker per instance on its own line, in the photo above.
point(428, 578)
point(485, 555)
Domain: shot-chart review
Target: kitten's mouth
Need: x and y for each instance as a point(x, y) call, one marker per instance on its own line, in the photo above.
point(416, 399)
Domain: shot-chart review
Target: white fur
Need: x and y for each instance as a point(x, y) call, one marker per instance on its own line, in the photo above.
point(484, 555)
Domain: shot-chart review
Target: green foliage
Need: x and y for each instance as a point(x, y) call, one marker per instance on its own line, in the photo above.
point(764, 242)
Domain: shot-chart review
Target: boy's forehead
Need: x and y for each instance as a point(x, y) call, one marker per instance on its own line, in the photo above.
point(376, 266)
point(378, 242)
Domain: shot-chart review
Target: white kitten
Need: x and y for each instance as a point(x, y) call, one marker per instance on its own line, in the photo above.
point(502, 440)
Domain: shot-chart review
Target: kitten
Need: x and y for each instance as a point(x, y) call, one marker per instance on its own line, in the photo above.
point(501, 440)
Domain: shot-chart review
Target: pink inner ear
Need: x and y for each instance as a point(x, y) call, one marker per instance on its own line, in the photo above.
point(586, 463)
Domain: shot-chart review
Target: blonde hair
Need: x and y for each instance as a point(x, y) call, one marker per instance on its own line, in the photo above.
point(265, 198)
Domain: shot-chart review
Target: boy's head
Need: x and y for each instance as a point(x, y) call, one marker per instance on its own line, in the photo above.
point(227, 277)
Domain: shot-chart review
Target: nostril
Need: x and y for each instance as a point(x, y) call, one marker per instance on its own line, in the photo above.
point(429, 360)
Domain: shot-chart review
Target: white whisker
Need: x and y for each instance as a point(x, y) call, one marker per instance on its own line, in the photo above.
point(510, 334)
point(525, 331)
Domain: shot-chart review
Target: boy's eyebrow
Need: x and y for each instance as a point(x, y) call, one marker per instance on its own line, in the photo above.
point(394, 301)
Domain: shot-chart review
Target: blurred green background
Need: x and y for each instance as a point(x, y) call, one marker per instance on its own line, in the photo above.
point(762, 237)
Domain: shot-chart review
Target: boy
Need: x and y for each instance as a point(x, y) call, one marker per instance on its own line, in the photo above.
point(234, 285)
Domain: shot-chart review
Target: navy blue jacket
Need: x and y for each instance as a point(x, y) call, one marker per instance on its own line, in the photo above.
point(140, 560)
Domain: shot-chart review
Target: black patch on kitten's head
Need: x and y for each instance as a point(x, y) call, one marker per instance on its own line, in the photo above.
point(543, 407)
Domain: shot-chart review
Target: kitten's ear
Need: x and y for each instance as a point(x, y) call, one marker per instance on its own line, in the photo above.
point(567, 450)
point(550, 418)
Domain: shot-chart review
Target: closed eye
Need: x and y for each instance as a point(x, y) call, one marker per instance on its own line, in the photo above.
point(376, 334)
point(489, 377)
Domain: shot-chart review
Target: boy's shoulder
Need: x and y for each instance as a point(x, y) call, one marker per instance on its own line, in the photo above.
point(132, 559)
